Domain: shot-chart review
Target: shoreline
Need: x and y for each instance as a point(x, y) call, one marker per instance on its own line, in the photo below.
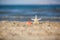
point(27, 21)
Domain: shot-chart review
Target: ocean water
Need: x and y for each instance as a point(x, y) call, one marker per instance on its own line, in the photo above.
point(27, 11)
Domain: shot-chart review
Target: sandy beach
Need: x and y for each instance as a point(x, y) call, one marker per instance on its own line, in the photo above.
point(16, 30)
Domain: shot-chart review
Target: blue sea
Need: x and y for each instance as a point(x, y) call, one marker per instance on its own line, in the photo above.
point(25, 12)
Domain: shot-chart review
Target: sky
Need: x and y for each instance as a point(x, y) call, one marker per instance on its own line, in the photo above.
point(14, 2)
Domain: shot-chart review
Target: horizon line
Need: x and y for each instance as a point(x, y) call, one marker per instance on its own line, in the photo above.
point(30, 4)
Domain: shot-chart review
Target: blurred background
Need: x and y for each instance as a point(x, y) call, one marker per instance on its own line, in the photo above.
point(24, 10)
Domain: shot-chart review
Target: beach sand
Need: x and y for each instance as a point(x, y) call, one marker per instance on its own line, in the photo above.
point(16, 30)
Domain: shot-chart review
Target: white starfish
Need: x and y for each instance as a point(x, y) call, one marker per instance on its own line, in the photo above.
point(36, 20)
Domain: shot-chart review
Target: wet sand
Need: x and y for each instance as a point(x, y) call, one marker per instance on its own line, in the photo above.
point(15, 30)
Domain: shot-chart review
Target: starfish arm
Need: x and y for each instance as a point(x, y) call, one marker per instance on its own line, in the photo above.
point(32, 19)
